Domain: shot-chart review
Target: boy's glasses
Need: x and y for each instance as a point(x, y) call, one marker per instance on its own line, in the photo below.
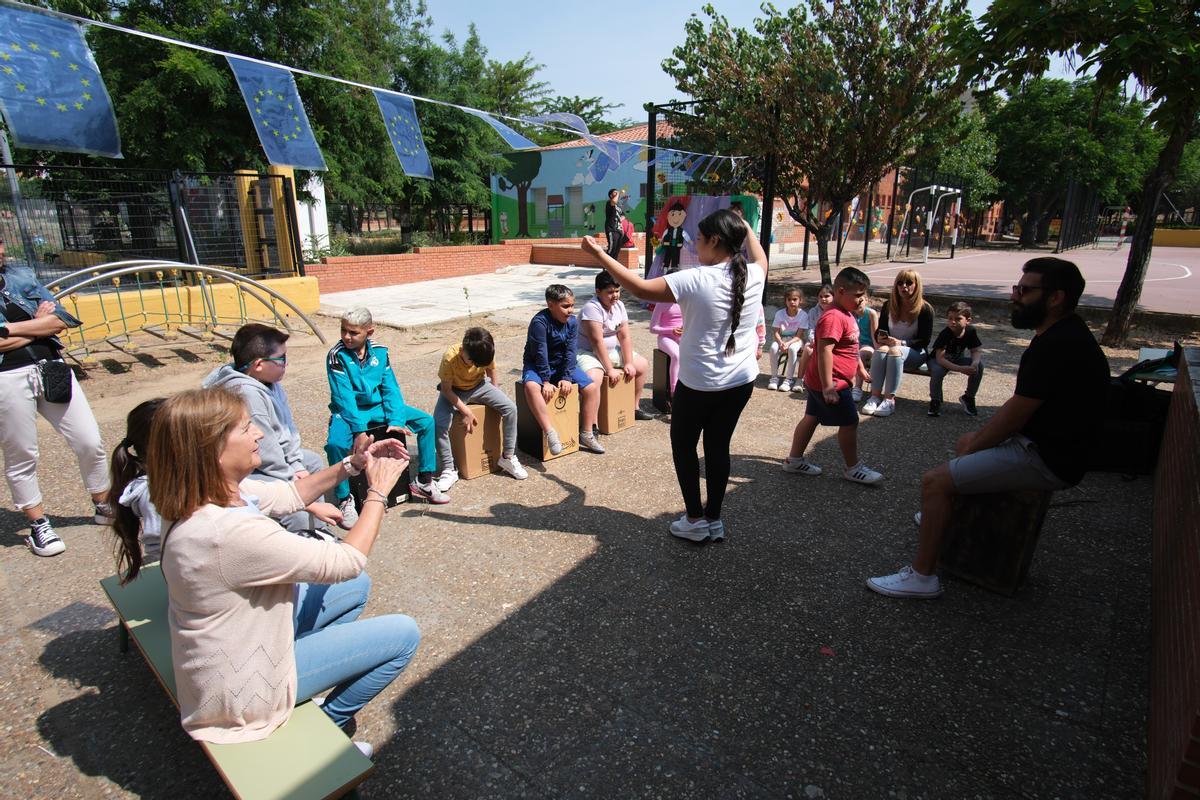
point(276, 359)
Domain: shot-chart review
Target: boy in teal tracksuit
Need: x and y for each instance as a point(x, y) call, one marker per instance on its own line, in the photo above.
point(363, 395)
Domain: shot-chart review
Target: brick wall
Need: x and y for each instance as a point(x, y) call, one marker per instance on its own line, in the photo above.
point(343, 273)
point(1174, 736)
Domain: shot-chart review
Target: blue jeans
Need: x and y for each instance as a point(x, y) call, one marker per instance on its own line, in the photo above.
point(354, 660)
point(887, 373)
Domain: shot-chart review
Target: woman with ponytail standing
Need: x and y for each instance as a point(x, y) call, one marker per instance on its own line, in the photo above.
point(136, 522)
point(720, 300)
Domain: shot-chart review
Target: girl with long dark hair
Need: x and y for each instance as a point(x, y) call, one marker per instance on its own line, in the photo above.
point(136, 523)
point(720, 300)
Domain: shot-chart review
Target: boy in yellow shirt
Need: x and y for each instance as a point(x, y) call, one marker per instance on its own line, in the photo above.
point(468, 375)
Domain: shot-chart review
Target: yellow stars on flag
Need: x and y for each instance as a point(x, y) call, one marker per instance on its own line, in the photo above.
point(73, 67)
point(41, 101)
point(271, 99)
point(61, 106)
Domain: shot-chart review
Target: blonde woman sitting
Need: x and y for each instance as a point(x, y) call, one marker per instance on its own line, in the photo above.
point(902, 338)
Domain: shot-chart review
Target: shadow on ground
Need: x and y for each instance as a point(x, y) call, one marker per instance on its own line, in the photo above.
point(761, 667)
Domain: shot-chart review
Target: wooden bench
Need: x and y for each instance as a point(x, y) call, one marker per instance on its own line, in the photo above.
point(992, 537)
point(308, 757)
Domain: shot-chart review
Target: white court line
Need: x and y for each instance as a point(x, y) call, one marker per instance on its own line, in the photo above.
point(1187, 273)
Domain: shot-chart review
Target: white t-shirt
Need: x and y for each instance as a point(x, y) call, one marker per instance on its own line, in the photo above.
point(704, 295)
point(610, 320)
point(790, 326)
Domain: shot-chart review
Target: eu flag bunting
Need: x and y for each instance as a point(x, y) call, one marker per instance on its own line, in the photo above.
point(279, 118)
point(513, 139)
point(50, 88)
point(400, 118)
point(575, 122)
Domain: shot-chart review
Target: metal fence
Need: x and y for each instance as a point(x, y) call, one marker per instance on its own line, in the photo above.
point(59, 219)
point(449, 223)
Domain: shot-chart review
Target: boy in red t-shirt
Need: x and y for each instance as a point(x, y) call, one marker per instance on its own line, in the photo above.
point(829, 378)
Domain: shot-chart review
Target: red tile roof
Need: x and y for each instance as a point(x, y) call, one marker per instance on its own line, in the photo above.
point(637, 133)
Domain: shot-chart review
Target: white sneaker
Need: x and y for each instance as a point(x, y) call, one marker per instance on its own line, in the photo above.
point(42, 539)
point(798, 386)
point(716, 531)
point(349, 513)
point(871, 405)
point(907, 583)
point(692, 531)
point(856, 394)
point(886, 408)
point(513, 467)
point(801, 465)
point(104, 513)
point(448, 478)
point(553, 443)
point(786, 386)
point(860, 473)
point(588, 441)
point(365, 748)
point(772, 385)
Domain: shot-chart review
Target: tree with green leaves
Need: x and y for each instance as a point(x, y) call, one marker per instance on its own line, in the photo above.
point(510, 88)
point(965, 151)
point(1156, 44)
point(830, 95)
point(1050, 132)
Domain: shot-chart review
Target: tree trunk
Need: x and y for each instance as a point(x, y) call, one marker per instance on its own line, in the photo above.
point(523, 210)
point(1162, 176)
point(1033, 213)
point(823, 253)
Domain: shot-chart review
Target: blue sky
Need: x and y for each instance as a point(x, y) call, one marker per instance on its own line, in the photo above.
point(611, 50)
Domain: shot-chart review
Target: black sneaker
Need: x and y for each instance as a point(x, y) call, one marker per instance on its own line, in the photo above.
point(643, 416)
point(968, 405)
point(42, 539)
point(935, 408)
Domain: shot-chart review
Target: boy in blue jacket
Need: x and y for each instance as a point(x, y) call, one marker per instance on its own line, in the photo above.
point(549, 363)
point(363, 395)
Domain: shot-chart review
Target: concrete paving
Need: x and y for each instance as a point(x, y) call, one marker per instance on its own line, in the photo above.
point(571, 648)
point(411, 305)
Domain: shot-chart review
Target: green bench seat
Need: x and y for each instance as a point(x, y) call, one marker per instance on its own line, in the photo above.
point(308, 757)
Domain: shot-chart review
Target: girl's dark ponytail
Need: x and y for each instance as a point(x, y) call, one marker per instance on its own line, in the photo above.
point(737, 270)
point(127, 464)
point(124, 468)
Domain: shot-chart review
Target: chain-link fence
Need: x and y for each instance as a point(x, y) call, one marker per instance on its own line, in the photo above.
point(60, 219)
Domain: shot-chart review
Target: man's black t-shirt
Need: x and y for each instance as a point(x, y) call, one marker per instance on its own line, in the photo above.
point(1065, 369)
point(955, 346)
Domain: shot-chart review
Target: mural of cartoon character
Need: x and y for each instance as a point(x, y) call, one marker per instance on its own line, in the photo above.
point(504, 223)
point(674, 237)
point(589, 216)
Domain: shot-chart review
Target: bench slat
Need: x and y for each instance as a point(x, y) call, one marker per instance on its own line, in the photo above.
point(308, 757)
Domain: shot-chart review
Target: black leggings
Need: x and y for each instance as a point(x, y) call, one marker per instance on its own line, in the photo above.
point(715, 414)
point(616, 240)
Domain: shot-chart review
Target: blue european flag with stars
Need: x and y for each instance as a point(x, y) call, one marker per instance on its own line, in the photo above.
point(279, 118)
point(50, 88)
point(400, 118)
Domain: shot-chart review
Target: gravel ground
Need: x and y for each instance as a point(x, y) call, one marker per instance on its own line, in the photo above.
point(573, 649)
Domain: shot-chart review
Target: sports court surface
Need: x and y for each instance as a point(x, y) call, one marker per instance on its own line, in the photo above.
point(1172, 282)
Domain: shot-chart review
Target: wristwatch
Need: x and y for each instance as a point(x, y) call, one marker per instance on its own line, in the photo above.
point(351, 470)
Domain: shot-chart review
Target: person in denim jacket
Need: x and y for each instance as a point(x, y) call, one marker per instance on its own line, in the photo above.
point(30, 321)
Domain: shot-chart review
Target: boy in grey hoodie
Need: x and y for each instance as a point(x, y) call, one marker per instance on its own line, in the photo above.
point(259, 363)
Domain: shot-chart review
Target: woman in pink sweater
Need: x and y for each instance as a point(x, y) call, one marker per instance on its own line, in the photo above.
point(667, 322)
point(261, 618)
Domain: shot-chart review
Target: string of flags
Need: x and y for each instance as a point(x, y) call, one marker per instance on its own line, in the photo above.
point(53, 98)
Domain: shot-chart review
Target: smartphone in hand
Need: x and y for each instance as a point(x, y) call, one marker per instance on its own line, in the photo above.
point(881, 334)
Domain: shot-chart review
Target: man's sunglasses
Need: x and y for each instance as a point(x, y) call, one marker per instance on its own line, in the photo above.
point(1020, 290)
